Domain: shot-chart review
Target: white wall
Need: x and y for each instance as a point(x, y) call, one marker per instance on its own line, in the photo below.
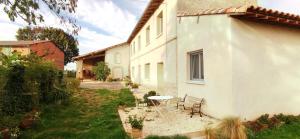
point(212, 34)
point(266, 69)
point(162, 49)
point(119, 65)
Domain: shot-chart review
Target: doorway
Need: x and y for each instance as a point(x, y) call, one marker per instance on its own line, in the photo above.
point(160, 75)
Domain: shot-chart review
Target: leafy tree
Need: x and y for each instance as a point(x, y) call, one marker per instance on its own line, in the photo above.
point(28, 10)
point(101, 71)
point(65, 42)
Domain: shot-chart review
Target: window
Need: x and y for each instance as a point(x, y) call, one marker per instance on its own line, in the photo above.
point(147, 71)
point(148, 35)
point(159, 23)
point(117, 58)
point(139, 43)
point(196, 65)
point(133, 47)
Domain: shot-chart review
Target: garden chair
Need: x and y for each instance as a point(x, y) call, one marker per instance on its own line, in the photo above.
point(181, 101)
point(197, 107)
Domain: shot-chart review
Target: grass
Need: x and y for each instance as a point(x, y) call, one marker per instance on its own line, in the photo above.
point(167, 137)
point(286, 131)
point(90, 114)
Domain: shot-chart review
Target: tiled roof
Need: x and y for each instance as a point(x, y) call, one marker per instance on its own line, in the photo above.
point(20, 43)
point(98, 51)
point(250, 12)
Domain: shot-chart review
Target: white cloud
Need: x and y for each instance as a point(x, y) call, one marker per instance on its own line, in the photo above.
point(290, 6)
point(106, 15)
point(8, 31)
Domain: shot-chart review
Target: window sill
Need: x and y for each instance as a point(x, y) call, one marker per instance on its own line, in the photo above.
point(147, 44)
point(158, 36)
point(200, 82)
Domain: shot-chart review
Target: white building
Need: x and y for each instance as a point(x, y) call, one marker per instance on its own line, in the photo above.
point(241, 58)
point(116, 57)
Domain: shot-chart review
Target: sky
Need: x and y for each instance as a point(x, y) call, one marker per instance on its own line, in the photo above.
point(108, 22)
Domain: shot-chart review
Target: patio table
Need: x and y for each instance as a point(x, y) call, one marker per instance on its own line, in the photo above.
point(160, 99)
point(163, 99)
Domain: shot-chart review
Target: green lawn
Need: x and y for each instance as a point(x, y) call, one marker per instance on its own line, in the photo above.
point(286, 131)
point(90, 114)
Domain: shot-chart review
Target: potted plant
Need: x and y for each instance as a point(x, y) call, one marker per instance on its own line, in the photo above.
point(136, 126)
point(134, 87)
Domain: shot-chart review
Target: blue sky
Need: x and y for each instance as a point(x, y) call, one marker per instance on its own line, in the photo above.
point(107, 22)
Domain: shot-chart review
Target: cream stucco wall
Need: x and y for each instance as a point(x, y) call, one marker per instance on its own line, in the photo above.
point(161, 49)
point(117, 59)
point(266, 69)
point(212, 34)
point(250, 68)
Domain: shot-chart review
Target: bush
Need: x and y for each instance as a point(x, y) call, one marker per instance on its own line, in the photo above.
point(135, 86)
point(29, 82)
point(166, 137)
point(231, 128)
point(71, 73)
point(101, 71)
point(135, 122)
point(149, 94)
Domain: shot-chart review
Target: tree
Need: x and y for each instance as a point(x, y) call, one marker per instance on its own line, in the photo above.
point(101, 71)
point(28, 10)
point(65, 42)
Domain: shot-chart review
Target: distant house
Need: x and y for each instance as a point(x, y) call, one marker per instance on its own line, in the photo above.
point(117, 58)
point(45, 49)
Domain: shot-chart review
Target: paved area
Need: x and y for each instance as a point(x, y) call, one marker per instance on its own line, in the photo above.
point(172, 121)
point(91, 84)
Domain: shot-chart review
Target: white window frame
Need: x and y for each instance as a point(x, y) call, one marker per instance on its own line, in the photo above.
point(200, 68)
point(147, 71)
point(139, 42)
point(148, 33)
point(117, 58)
point(159, 24)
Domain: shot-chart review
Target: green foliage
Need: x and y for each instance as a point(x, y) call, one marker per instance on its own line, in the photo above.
point(126, 98)
point(14, 101)
point(166, 137)
point(134, 86)
point(276, 127)
point(135, 122)
point(71, 73)
point(29, 82)
point(28, 10)
point(149, 94)
point(84, 117)
point(64, 41)
point(101, 71)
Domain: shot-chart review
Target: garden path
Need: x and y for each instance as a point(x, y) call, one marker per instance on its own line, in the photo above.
point(92, 84)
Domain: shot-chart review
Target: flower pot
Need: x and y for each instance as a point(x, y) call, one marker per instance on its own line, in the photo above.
point(136, 133)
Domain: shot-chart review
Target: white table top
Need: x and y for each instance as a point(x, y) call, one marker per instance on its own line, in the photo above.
point(160, 97)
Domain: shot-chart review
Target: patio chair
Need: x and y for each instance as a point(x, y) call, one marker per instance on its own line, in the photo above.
point(181, 101)
point(197, 107)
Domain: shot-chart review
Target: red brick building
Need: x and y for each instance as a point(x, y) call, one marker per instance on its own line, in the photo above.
point(45, 49)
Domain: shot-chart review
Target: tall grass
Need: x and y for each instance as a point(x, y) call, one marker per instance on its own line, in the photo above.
point(232, 128)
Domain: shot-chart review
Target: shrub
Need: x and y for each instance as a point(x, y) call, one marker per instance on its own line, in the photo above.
point(135, 86)
point(71, 73)
point(166, 137)
point(29, 81)
point(149, 94)
point(135, 122)
point(232, 128)
point(101, 71)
